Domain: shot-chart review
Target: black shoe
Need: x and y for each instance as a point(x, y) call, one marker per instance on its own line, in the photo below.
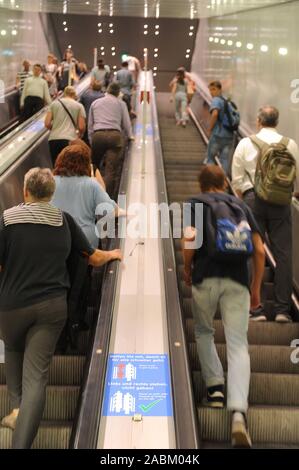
point(257, 314)
point(215, 397)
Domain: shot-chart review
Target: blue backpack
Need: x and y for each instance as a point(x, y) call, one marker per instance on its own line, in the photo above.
point(227, 233)
point(231, 117)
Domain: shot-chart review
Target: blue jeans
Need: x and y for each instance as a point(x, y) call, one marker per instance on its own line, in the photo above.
point(234, 302)
point(221, 146)
point(181, 103)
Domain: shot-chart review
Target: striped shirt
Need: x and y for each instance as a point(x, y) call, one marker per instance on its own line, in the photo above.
point(41, 213)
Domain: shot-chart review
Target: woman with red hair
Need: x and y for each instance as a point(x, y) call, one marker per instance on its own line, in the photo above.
point(77, 193)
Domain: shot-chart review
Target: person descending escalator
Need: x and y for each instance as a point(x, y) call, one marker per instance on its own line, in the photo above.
point(35, 94)
point(179, 89)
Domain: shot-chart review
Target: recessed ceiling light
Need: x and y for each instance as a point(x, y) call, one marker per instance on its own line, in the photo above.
point(157, 33)
point(250, 46)
point(283, 51)
point(264, 48)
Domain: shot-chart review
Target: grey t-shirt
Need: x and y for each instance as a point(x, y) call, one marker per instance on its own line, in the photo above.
point(62, 126)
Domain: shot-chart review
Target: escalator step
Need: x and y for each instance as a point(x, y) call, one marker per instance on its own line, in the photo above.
point(61, 403)
point(50, 436)
point(269, 333)
point(265, 389)
point(266, 424)
point(263, 359)
point(64, 370)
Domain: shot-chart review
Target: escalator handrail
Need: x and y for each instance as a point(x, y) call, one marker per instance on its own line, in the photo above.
point(185, 415)
point(89, 412)
point(5, 140)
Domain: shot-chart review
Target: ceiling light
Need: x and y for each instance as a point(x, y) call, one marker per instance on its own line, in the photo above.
point(250, 46)
point(229, 42)
point(190, 34)
point(187, 56)
point(222, 41)
point(66, 29)
point(155, 74)
point(211, 39)
point(216, 40)
point(102, 53)
point(157, 33)
point(102, 48)
point(157, 26)
point(191, 27)
point(64, 23)
point(99, 25)
point(14, 32)
point(238, 44)
point(100, 31)
point(283, 51)
point(113, 48)
point(113, 53)
point(3, 32)
point(155, 68)
point(145, 26)
point(155, 55)
point(156, 49)
point(111, 25)
point(264, 48)
point(111, 31)
point(145, 32)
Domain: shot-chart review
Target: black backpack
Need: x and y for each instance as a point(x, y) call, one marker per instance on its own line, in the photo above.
point(227, 233)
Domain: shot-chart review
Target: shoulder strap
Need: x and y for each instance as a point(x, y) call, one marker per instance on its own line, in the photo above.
point(261, 145)
point(285, 141)
point(69, 114)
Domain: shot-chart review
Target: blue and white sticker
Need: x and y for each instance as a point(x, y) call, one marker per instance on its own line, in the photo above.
point(138, 384)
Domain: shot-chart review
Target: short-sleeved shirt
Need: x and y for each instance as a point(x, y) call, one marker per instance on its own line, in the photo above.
point(62, 126)
point(100, 75)
point(33, 259)
point(80, 196)
point(204, 267)
point(89, 97)
point(219, 130)
point(125, 80)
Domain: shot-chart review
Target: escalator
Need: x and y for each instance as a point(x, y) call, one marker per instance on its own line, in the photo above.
point(273, 400)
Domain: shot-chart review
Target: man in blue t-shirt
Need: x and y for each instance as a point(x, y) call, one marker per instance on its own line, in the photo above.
point(227, 284)
point(221, 139)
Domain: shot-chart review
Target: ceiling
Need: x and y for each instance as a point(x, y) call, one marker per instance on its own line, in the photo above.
point(142, 8)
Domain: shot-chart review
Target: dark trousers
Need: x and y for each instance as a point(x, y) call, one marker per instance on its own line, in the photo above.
point(107, 152)
point(32, 105)
point(30, 335)
point(56, 146)
point(276, 222)
point(127, 100)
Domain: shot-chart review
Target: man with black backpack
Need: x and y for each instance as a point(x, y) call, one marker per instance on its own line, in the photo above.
point(225, 119)
point(264, 171)
point(218, 272)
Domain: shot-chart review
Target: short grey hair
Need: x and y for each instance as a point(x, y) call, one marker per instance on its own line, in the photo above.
point(268, 116)
point(40, 183)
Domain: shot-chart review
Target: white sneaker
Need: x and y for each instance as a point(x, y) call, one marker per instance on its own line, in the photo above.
point(240, 434)
point(283, 318)
point(10, 421)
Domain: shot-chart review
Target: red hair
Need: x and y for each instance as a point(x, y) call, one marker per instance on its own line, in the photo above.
point(74, 160)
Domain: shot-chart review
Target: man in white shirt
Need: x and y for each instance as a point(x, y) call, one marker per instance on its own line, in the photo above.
point(35, 94)
point(274, 220)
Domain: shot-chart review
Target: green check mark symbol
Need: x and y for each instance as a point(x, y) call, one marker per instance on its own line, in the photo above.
point(146, 408)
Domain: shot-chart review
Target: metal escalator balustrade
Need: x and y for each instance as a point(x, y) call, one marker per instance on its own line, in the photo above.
point(273, 415)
